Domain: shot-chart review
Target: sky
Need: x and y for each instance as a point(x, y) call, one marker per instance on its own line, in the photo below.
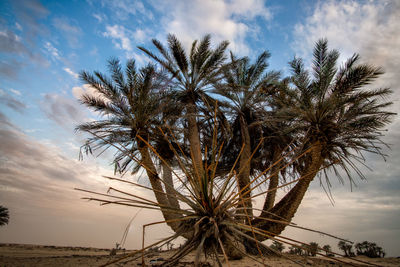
point(45, 44)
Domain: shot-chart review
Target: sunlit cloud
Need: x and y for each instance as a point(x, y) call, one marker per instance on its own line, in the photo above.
point(225, 20)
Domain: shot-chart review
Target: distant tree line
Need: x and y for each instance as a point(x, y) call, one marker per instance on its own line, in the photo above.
point(365, 248)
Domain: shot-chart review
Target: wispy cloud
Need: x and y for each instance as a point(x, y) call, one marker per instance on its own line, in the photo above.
point(124, 8)
point(126, 40)
point(64, 111)
point(16, 92)
point(9, 69)
point(70, 29)
point(54, 53)
point(18, 26)
point(30, 13)
point(120, 37)
point(11, 102)
point(72, 73)
point(20, 49)
point(11, 43)
point(100, 17)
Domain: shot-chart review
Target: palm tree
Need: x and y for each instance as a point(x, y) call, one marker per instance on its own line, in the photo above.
point(295, 250)
point(4, 216)
point(192, 75)
point(243, 88)
point(331, 115)
point(313, 248)
point(336, 116)
point(278, 246)
point(369, 249)
point(305, 250)
point(132, 108)
point(346, 248)
point(327, 249)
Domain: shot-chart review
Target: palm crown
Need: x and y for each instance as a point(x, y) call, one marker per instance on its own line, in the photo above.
point(335, 108)
point(131, 105)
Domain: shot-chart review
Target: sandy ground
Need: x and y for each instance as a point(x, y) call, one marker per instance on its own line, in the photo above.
point(33, 255)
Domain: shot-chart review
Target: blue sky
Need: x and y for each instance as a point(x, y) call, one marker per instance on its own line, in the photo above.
point(45, 44)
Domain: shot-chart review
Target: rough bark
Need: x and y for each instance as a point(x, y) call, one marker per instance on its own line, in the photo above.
point(194, 139)
point(156, 184)
point(288, 205)
point(244, 170)
point(273, 184)
point(169, 186)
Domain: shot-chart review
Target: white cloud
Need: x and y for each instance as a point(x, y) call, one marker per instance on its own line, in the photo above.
point(72, 73)
point(54, 53)
point(99, 17)
point(225, 20)
point(370, 29)
point(120, 37)
point(140, 35)
point(16, 92)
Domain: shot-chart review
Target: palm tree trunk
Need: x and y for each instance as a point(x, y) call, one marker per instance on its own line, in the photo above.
point(169, 186)
point(155, 182)
point(288, 205)
point(194, 139)
point(244, 170)
point(273, 184)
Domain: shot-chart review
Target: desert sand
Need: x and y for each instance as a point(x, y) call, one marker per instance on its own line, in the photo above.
point(36, 255)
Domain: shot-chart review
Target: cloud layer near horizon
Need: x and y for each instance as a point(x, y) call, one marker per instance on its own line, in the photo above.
point(37, 186)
